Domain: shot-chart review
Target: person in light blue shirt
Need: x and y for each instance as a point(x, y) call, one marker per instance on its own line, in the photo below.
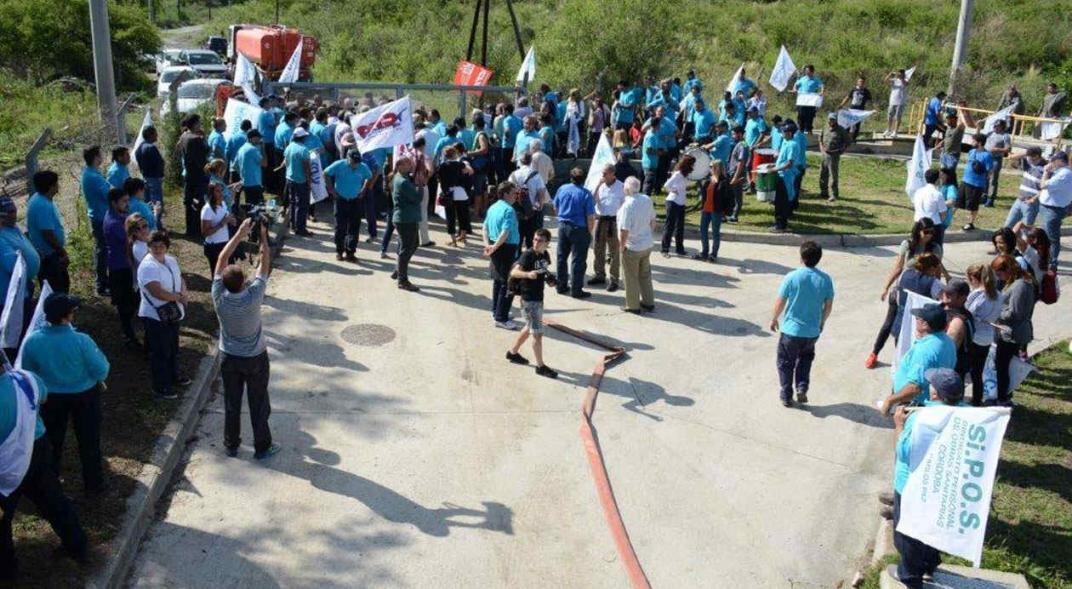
point(722, 145)
point(756, 131)
point(119, 170)
point(776, 136)
point(688, 104)
point(802, 143)
point(650, 151)
point(298, 170)
point(932, 118)
point(932, 349)
point(465, 134)
point(439, 126)
point(525, 138)
point(44, 228)
point(511, 126)
point(804, 302)
point(691, 81)
point(547, 134)
point(703, 122)
point(628, 99)
point(217, 141)
point(251, 161)
point(235, 141)
point(95, 193)
point(266, 121)
point(807, 84)
point(12, 243)
point(135, 189)
point(284, 131)
point(347, 180)
point(744, 85)
point(502, 236)
point(450, 139)
point(675, 91)
point(787, 165)
point(974, 182)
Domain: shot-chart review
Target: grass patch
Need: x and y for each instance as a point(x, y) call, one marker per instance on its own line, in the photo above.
point(1030, 526)
point(28, 109)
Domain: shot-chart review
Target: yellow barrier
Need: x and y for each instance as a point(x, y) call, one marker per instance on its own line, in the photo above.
point(1023, 126)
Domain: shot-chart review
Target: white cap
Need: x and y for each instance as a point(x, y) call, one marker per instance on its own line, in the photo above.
point(300, 132)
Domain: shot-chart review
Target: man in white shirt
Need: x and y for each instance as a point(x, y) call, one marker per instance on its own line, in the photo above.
point(542, 162)
point(528, 180)
point(1055, 200)
point(929, 202)
point(636, 222)
point(898, 85)
point(609, 195)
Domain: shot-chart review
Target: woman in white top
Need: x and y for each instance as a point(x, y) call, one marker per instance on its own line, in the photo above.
point(676, 188)
point(215, 219)
point(161, 284)
point(985, 305)
point(575, 117)
point(137, 240)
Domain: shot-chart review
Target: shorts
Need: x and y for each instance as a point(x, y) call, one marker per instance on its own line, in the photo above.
point(894, 112)
point(969, 197)
point(533, 312)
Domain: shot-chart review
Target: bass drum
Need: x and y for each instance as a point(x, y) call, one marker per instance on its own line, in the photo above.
point(702, 168)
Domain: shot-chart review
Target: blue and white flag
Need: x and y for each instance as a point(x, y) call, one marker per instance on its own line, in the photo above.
point(293, 67)
point(783, 71)
point(37, 321)
point(11, 318)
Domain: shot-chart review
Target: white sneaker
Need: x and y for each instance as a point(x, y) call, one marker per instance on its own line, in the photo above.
point(509, 324)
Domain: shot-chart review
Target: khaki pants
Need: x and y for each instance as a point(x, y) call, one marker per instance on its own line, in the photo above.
point(828, 175)
point(607, 238)
point(638, 288)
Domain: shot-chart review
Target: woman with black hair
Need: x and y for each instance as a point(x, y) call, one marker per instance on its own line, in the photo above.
point(676, 197)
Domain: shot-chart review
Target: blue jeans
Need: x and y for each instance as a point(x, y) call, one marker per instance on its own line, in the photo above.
point(573, 239)
point(154, 190)
point(1051, 224)
point(795, 355)
point(949, 160)
point(715, 221)
point(1021, 211)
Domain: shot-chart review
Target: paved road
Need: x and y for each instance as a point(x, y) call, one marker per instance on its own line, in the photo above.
point(428, 460)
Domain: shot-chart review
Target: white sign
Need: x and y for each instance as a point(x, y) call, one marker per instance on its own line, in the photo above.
point(36, 322)
point(917, 167)
point(238, 111)
point(317, 190)
point(907, 329)
point(11, 319)
point(145, 123)
point(293, 67)
point(528, 67)
point(732, 86)
point(953, 459)
point(604, 155)
point(783, 71)
point(1001, 115)
point(850, 116)
point(384, 126)
point(908, 73)
point(810, 99)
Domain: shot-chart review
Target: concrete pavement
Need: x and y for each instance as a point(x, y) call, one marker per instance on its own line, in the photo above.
point(414, 455)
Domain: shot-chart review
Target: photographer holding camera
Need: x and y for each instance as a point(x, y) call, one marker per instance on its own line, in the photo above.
point(242, 341)
point(527, 278)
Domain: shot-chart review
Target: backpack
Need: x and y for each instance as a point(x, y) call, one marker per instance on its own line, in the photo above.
point(977, 166)
point(1049, 291)
point(524, 207)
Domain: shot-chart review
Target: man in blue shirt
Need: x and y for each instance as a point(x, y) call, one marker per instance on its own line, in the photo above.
point(39, 482)
point(807, 84)
point(250, 162)
point(266, 126)
point(802, 164)
point(44, 227)
point(576, 208)
point(722, 145)
point(217, 140)
point(650, 151)
point(511, 126)
point(628, 98)
point(756, 132)
point(13, 243)
point(932, 349)
point(298, 171)
point(235, 141)
point(932, 118)
point(976, 176)
point(691, 81)
point(72, 368)
point(284, 131)
point(804, 302)
point(151, 165)
point(525, 137)
point(135, 189)
point(119, 170)
point(703, 122)
point(744, 85)
point(347, 180)
point(95, 192)
point(787, 165)
point(502, 236)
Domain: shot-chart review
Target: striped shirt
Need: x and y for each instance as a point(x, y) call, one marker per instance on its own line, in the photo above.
point(1029, 181)
point(240, 317)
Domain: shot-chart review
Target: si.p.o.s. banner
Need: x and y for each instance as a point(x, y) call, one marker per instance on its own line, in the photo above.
point(953, 460)
point(384, 126)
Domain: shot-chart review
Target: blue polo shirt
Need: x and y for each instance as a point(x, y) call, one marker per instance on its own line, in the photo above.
point(443, 144)
point(142, 208)
point(744, 85)
point(802, 144)
point(12, 241)
point(574, 204)
point(235, 142)
point(805, 291)
point(501, 217)
point(809, 84)
point(248, 160)
point(511, 125)
point(95, 190)
point(789, 150)
point(547, 138)
point(722, 148)
point(217, 145)
point(117, 175)
point(754, 129)
point(704, 122)
point(43, 215)
point(68, 361)
point(348, 180)
point(524, 138)
point(649, 160)
point(266, 125)
point(934, 108)
point(283, 133)
point(295, 154)
point(9, 406)
point(970, 176)
point(934, 350)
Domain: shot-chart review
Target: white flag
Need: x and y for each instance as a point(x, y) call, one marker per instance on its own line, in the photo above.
point(317, 189)
point(293, 67)
point(11, 318)
point(384, 126)
point(238, 111)
point(907, 329)
point(1001, 115)
point(244, 72)
point(604, 155)
point(850, 116)
point(251, 95)
point(953, 459)
point(731, 87)
point(145, 122)
point(37, 322)
point(528, 66)
point(783, 71)
point(908, 73)
point(917, 167)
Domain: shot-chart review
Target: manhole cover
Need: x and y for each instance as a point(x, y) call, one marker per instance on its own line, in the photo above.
point(368, 334)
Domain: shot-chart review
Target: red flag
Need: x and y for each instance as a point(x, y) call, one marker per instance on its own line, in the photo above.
point(471, 74)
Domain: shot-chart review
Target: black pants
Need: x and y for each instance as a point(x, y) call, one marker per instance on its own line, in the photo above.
point(433, 190)
point(298, 205)
point(212, 254)
point(193, 198)
point(254, 195)
point(916, 557)
point(84, 410)
point(806, 117)
point(1005, 352)
point(795, 356)
point(527, 228)
point(502, 260)
point(977, 356)
point(347, 223)
point(674, 227)
point(887, 324)
point(55, 272)
point(248, 375)
point(162, 340)
point(928, 135)
point(783, 207)
point(462, 216)
point(573, 240)
point(125, 298)
point(407, 234)
point(389, 230)
point(41, 486)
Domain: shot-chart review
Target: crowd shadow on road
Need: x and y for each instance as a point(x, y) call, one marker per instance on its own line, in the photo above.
point(318, 466)
point(854, 412)
point(229, 568)
point(315, 352)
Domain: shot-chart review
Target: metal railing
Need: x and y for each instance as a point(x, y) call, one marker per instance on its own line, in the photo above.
point(335, 91)
point(1022, 128)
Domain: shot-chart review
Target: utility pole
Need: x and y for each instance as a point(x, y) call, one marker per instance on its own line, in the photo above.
point(102, 65)
point(960, 51)
point(152, 12)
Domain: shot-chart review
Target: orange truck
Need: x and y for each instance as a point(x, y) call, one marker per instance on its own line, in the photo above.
point(269, 47)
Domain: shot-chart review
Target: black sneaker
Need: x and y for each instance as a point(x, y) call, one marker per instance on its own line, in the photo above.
point(633, 311)
point(546, 370)
point(613, 286)
point(701, 257)
point(648, 308)
point(581, 295)
point(394, 275)
point(231, 452)
point(516, 358)
point(268, 452)
point(802, 397)
point(597, 280)
point(787, 402)
point(409, 286)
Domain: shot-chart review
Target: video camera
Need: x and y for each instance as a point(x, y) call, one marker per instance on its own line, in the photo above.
point(260, 218)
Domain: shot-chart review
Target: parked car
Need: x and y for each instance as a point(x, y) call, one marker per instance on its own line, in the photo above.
point(168, 58)
point(192, 94)
point(207, 63)
point(217, 44)
point(168, 75)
